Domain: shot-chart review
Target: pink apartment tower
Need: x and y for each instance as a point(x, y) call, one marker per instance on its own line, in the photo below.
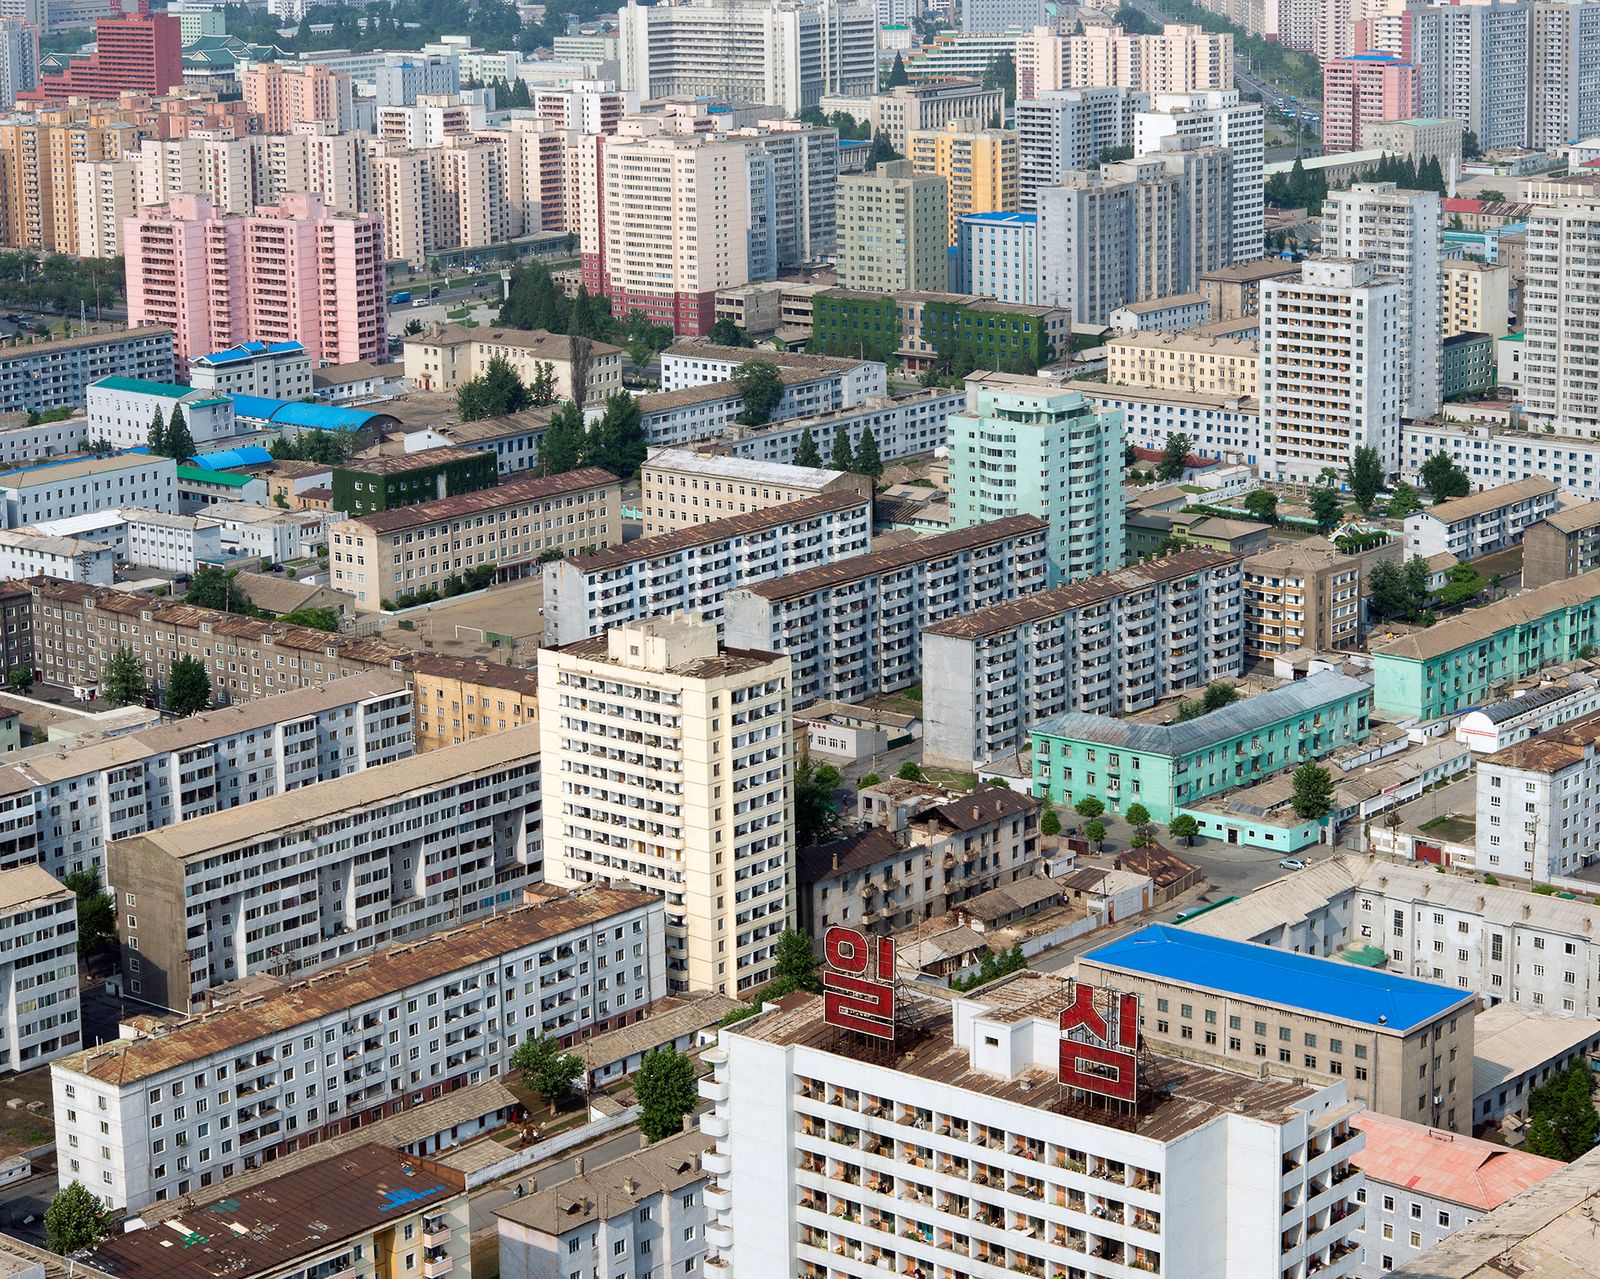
point(1365, 88)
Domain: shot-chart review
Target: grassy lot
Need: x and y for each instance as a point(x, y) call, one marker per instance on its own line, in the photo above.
point(19, 1130)
point(1452, 828)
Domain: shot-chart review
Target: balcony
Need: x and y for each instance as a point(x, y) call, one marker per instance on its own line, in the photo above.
point(717, 1199)
point(437, 1267)
point(716, 1162)
point(714, 1125)
point(714, 1090)
point(719, 1235)
point(435, 1234)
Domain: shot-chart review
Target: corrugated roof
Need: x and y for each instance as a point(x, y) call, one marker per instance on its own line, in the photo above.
point(1511, 707)
point(1478, 624)
point(167, 390)
point(1243, 716)
point(324, 417)
point(399, 518)
point(1510, 1040)
point(1491, 499)
point(1437, 1164)
point(227, 459)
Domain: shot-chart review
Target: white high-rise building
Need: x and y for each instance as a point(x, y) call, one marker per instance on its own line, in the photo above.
point(38, 969)
point(19, 60)
point(955, 1151)
point(1216, 119)
point(1561, 317)
point(1065, 131)
point(1331, 369)
point(670, 765)
point(1402, 234)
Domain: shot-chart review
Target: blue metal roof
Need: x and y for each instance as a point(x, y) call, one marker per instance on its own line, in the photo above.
point(1019, 219)
point(247, 350)
point(260, 408)
point(225, 459)
point(1281, 977)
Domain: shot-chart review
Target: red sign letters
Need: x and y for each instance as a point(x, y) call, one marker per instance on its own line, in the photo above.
point(1099, 1036)
point(858, 982)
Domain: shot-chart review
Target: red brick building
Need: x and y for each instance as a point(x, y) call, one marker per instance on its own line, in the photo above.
point(140, 51)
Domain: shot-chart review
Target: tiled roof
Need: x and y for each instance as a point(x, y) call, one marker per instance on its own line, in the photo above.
point(1436, 1164)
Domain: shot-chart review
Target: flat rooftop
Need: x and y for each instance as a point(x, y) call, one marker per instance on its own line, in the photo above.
point(1324, 987)
point(1509, 1040)
point(722, 466)
point(28, 887)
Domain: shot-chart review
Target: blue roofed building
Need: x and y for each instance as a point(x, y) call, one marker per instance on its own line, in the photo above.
point(278, 369)
point(1403, 1047)
point(230, 459)
point(290, 417)
point(996, 256)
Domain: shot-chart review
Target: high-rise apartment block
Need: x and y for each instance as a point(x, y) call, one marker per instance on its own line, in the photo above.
point(139, 52)
point(38, 969)
point(1360, 91)
point(1216, 118)
point(1561, 353)
point(894, 230)
point(1064, 131)
point(1029, 447)
point(1297, 597)
point(670, 764)
point(1332, 368)
point(1402, 234)
point(41, 155)
point(1181, 59)
point(294, 272)
point(978, 165)
point(19, 60)
point(804, 182)
point(997, 256)
point(932, 104)
point(287, 95)
point(1476, 298)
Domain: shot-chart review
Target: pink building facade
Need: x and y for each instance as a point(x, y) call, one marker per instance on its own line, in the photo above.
point(291, 272)
point(1361, 90)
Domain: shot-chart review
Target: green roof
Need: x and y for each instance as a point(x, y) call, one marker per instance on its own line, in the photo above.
point(199, 475)
point(1513, 337)
point(169, 389)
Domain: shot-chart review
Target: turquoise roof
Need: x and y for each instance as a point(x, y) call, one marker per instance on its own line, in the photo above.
point(171, 390)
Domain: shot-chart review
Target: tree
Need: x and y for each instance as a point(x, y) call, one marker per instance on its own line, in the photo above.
point(882, 150)
point(542, 390)
point(1174, 457)
point(806, 453)
point(726, 333)
point(1185, 828)
point(188, 687)
point(312, 617)
point(1138, 817)
point(1313, 791)
point(1492, 195)
point(75, 1219)
point(1002, 74)
point(20, 679)
point(1218, 695)
point(816, 819)
point(910, 771)
point(561, 445)
point(413, 327)
point(216, 588)
point(867, 461)
point(840, 457)
point(1418, 588)
point(180, 446)
point(1564, 1122)
point(794, 963)
point(156, 438)
point(546, 1068)
point(1095, 833)
point(616, 441)
point(97, 911)
point(1461, 583)
point(124, 682)
point(1326, 508)
point(761, 387)
point(665, 1090)
point(1444, 479)
point(1365, 477)
point(495, 392)
point(1262, 506)
point(1088, 806)
point(897, 73)
point(1403, 501)
point(1470, 147)
point(1050, 823)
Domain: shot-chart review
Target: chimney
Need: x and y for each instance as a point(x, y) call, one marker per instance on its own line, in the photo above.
point(630, 1187)
point(577, 1165)
point(836, 859)
point(689, 1122)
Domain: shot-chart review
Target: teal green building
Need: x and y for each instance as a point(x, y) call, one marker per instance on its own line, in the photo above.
point(957, 331)
point(1463, 661)
point(1167, 766)
point(1030, 447)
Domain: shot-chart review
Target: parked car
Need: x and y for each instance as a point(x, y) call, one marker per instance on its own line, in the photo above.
point(1292, 863)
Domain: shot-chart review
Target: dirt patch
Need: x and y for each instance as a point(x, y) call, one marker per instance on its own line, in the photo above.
point(21, 1129)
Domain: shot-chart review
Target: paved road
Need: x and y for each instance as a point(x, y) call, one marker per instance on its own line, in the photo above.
point(28, 1198)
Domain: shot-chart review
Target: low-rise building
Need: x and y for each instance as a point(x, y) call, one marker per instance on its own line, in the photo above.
point(683, 487)
point(1185, 362)
point(649, 1210)
point(1423, 1185)
point(1517, 1051)
point(1165, 766)
point(28, 552)
point(55, 375)
point(200, 489)
point(684, 1023)
point(1565, 543)
point(935, 856)
point(1493, 455)
point(38, 969)
point(268, 534)
point(443, 356)
point(698, 363)
point(1402, 1047)
point(1464, 660)
point(1300, 597)
point(365, 485)
point(1480, 523)
point(1235, 291)
point(405, 1214)
point(1468, 365)
point(1227, 427)
point(460, 698)
point(1497, 725)
point(853, 627)
point(145, 538)
point(1162, 315)
point(316, 1050)
point(693, 569)
point(281, 370)
point(84, 486)
point(510, 528)
point(1110, 645)
point(389, 853)
point(907, 424)
point(1537, 804)
point(122, 410)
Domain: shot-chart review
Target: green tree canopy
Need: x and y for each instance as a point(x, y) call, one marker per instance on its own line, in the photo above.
point(665, 1090)
point(546, 1068)
point(1095, 833)
point(1444, 479)
point(496, 391)
point(561, 445)
point(1365, 477)
point(1326, 508)
point(1262, 506)
point(313, 617)
point(617, 441)
point(1089, 806)
point(188, 686)
point(156, 437)
point(179, 443)
point(794, 962)
point(726, 333)
point(761, 387)
point(1174, 457)
point(1461, 584)
point(1563, 1121)
point(816, 819)
point(123, 682)
point(75, 1219)
point(806, 453)
point(1184, 827)
point(216, 588)
point(97, 911)
point(867, 461)
point(1403, 501)
point(841, 459)
point(1050, 821)
point(897, 73)
point(1219, 694)
point(1313, 791)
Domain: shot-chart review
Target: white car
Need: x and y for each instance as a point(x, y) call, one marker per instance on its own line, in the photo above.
point(1292, 863)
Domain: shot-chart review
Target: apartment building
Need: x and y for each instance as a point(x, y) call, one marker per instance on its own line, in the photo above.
point(853, 628)
point(1185, 361)
point(647, 809)
point(76, 630)
point(140, 1118)
point(700, 363)
point(978, 165)
point(1227, 427)
point(938, 853)
point(1235, 291)
point(1560, 358)
point(1402, 1047)
point(893, 230)
point(54, 375)
point(804, 182)
point(1491, 454)
point(931, 104)
point(63, 807)
point(1333, 374)
point(1064, 131)
point(708, 410)
point(368, 485)
point(1298, 597)
point(150, 539)
point(1361, 90)
point(1477, 298)
point(1217, 118)
point(38, 969)
point(275, 370)
point(19, 59)
point(25, 552)
point(391, 852)
point(906, 424)
point(120, 410)
point(1166, 315)
point(204, 275)
point(997, 256)
point(43, 152)
point(138, 52)
point(1011, 453)
point(1167, 766)
point(288, 95)
point(1111, 645)
point(379, 557)
point(86, 486)
point(681, 487)
point(1180, 59)
point(1482, 522)
point(443, 356)
point(1466, 659)
point(1536, 804)
point(694, 568)
point(1233, 1174)
point(1564, 544)
point(407, 1214)
point(106, 194)
point(459, 698)
point(649, 1209)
